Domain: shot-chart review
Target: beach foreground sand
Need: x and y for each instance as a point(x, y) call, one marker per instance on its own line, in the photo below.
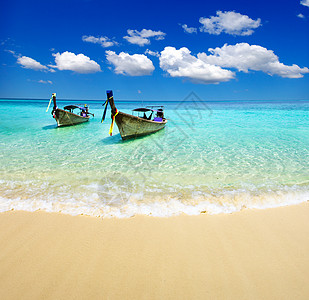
point(254, 254)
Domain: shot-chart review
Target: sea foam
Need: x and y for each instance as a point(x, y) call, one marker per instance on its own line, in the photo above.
point(93, 202)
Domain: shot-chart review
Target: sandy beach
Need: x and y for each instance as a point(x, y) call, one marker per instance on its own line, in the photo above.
point(253, 254)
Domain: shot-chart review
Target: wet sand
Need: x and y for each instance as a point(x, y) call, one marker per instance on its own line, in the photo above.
point(253, 254)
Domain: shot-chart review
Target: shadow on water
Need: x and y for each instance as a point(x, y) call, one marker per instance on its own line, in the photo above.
point(48, 127)
point(149, 136)
point(116, 139)
point(112, 140)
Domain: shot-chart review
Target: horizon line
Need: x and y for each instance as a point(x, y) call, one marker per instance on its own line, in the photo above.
point(141, 100)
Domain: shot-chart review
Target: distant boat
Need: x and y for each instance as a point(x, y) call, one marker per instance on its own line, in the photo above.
point(70, 114)
point(148, 119)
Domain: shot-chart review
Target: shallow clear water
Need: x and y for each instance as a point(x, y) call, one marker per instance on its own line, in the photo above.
point(212, 157)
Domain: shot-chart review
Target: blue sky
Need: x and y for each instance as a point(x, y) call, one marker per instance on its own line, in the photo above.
point(159, 50)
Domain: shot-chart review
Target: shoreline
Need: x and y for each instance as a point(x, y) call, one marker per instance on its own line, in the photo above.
point(251, 254)
point(161, 209)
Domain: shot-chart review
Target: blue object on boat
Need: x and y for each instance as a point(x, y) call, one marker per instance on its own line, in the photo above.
point(156, 119)
point(109, 93)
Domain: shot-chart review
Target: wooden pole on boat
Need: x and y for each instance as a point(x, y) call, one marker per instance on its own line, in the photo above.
point(54, 99)
point(104, 112)
point(110, 99)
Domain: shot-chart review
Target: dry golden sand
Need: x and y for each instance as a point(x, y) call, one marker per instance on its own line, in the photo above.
point(257, 254)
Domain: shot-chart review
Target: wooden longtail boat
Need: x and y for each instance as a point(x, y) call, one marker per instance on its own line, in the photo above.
point(67, 115)
point(131, 126)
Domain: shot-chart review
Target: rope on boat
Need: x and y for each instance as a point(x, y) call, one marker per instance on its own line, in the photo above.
point(69, 118)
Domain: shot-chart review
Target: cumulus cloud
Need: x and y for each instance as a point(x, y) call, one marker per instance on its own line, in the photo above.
point(180, 63)
point(142, 38)
point(103, 41)
point(229, 22)
point(30, 63)
point(304, 2)
point(214, 68)
point(132, 65)
point(301, 16)
point(188, 29)
point(78, 63)
point(245, 57)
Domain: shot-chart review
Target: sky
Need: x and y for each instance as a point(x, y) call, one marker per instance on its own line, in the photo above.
point(155, 50)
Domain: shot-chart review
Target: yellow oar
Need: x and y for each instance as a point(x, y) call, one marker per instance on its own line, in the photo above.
point(49, 103)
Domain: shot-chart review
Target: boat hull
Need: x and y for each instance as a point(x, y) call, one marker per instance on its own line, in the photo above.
point(131, 126)
point(66, 118)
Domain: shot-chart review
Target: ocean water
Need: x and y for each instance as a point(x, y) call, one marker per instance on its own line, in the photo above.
point(212, 157)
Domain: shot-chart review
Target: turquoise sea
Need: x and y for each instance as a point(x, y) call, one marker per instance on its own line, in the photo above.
point(212, 157)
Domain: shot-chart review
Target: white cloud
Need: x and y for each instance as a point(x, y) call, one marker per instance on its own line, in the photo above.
point(213, 68)
point(188, 29)
point(245, 57)
point(45, 81)
point(229, 22)
point(180, 63)
point(12, 52)
point(152, 53)
point(103, 41)
point(301, 16)
point(132, 65)
point(305, 2)
point(142, 38)
point(78, 63)
point(30, 63)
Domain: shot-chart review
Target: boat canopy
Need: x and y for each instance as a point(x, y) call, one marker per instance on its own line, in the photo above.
point(71, 107)
point(142, 109)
